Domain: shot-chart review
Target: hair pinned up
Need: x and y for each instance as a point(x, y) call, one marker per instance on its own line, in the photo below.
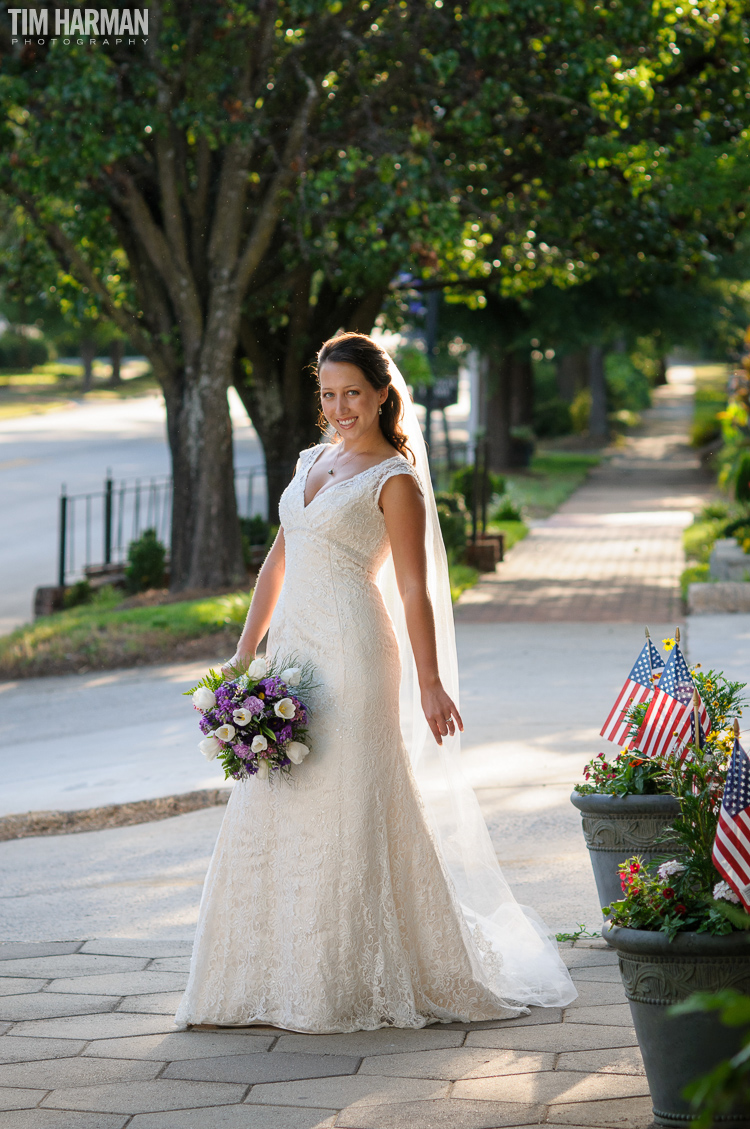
point(361, 351)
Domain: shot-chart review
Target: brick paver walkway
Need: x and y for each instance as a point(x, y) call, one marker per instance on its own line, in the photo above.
point(87, 1042)
point(613, 552)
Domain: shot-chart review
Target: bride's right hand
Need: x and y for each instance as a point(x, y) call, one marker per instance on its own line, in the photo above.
point(238, 663)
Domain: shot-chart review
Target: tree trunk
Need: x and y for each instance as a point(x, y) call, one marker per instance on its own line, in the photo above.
point(661, 371)
point(285, 424)
point(206, 540)
point(116, 351)
point(572, 375)
point(598, 428)
point(522, 389)
point(87, 350)
point(497, 373)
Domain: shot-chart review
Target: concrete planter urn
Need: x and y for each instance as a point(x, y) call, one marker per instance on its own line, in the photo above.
point(616, 828)
point(657, 973)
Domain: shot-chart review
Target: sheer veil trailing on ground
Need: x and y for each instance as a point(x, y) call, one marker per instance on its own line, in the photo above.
point(518, 956)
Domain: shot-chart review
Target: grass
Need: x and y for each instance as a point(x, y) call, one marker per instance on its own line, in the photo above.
point(693, 574)
point(710, 399)
point(462, 576)
point(50, 387)
point(104, 636)
point(698, 539)
point(552, 477)
point(513, 531)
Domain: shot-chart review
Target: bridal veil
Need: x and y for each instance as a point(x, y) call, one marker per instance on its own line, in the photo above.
point(518, 955)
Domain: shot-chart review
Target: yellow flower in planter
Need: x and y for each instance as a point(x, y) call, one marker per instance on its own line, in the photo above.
point(668, 644)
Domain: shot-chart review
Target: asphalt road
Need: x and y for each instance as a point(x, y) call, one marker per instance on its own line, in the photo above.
point(75, 446)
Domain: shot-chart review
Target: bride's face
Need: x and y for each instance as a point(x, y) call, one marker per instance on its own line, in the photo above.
point(349, 401)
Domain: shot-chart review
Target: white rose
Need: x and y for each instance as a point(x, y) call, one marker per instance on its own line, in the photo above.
point(210, 747)
point(296, 752)
point(259, 744)
point(285, 708)
point(204, 699)
point(291, 675)
point(257, 669)
point(225, 732)
point(242, 717)
point(263, 770)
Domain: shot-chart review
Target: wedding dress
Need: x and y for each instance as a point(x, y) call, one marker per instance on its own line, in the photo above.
point(329, 904)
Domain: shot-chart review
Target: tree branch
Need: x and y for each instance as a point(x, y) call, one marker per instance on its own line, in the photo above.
point(72, 261)
point(270, 210)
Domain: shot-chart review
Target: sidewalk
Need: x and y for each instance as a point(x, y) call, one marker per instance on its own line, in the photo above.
point(89, 1043)
point(86, 1028)
point(613, 552)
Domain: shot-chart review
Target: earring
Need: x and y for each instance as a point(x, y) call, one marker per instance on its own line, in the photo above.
point(380, 411)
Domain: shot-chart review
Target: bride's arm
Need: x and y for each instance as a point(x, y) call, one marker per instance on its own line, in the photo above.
point(404, 512)
point(265, 595)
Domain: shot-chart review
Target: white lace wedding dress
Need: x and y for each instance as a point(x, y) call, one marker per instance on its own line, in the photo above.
point(327, 906)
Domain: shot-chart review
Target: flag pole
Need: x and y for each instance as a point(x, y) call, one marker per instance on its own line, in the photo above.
point(697, 716)
point(736, 729)
point(650, 664)
point(677, 636)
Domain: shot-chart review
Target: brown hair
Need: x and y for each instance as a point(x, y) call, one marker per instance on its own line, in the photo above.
point(361, 351)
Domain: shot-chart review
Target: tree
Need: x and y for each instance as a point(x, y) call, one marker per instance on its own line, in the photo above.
point(185, 154)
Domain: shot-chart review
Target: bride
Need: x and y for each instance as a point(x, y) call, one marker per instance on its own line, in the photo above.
point(366, 892)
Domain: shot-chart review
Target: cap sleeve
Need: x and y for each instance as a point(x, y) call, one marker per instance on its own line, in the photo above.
point(391, 468)
point(307, 456)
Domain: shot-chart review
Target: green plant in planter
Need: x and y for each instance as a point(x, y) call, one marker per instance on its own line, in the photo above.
point(689, 895)
point(626, 774)
point(728, 1083)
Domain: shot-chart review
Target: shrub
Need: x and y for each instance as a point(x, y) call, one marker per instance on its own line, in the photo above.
point(580, 411)
point(552, 418)
point(742, 478)
point(452, 516)
point(77, 594)
point(463, 483)
point(146, 560)
point(18, 351)
point(627, 387)
point(506, 510)
point(255, 532)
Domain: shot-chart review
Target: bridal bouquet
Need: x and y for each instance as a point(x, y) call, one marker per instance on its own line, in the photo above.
point(255, 723)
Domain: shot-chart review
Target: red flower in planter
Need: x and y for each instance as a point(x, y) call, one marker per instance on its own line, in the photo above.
point(668, 893)
point(680, 908)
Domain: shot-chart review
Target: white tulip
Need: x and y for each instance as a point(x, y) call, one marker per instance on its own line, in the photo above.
point(210, 748)
point(285, 708)
point(257, 669)
point(242, 717)
point(296, 752)
point(225, 732)
point(263, 770)
point(204, 699)
point(259, 744)
point(291, 675)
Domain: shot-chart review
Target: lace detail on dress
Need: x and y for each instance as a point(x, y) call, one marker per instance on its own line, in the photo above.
point(327, 906)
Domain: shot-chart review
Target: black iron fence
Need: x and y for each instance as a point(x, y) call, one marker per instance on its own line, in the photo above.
point(96, 529)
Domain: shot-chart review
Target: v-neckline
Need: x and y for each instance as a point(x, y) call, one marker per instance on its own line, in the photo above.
point(325, 490)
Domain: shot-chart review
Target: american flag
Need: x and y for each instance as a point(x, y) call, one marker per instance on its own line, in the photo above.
point(731, 852)
point(637, 688)
point(668, 724)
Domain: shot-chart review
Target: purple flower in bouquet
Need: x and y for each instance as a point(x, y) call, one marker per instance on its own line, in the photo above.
point(255, 728)
point(253, 705)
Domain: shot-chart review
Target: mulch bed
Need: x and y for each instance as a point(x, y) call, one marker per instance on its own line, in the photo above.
point(33, 823)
